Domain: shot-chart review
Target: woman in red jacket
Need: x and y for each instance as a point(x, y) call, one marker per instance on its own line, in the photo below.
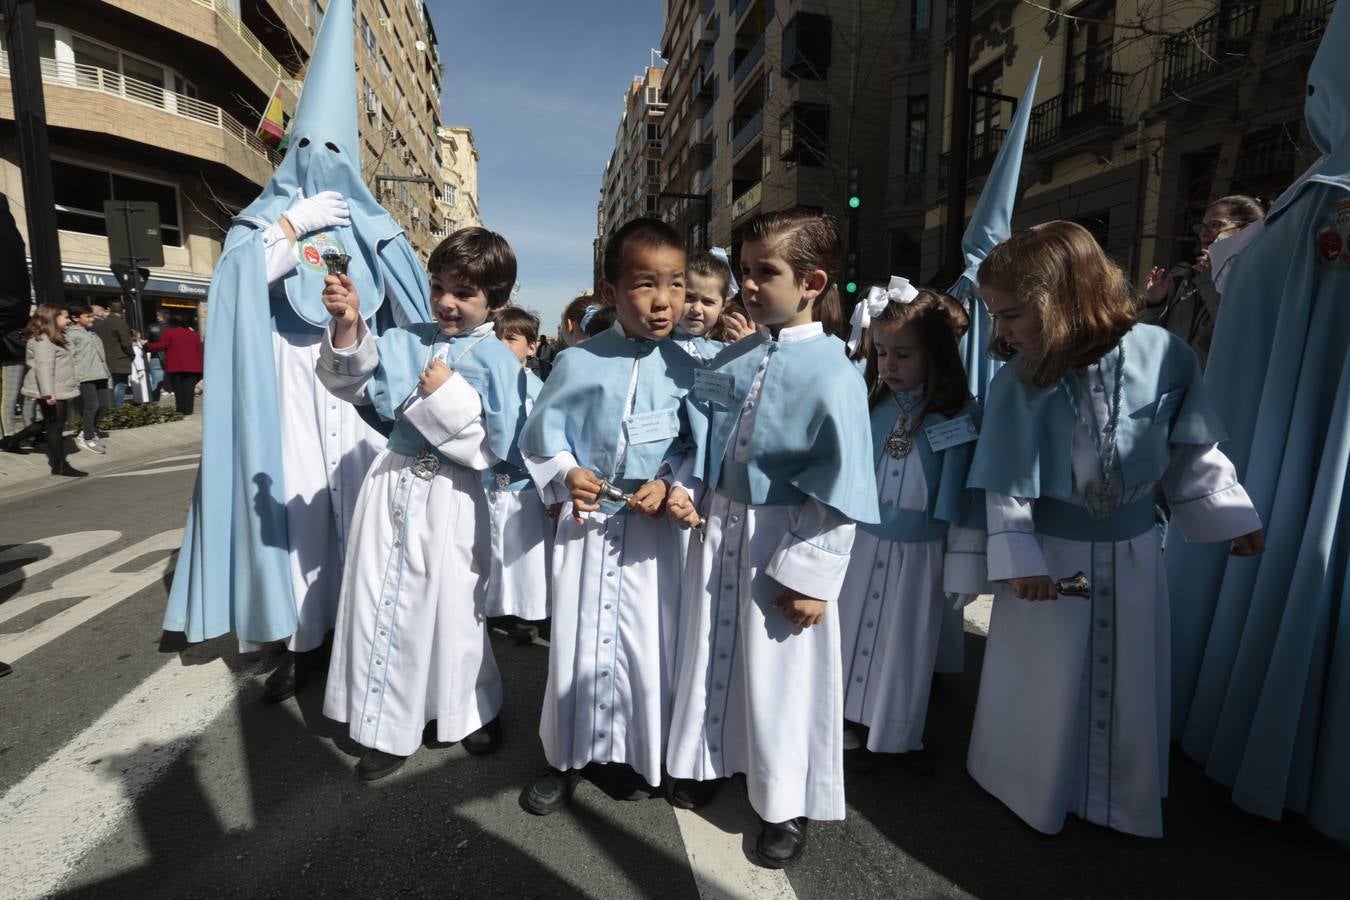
point(182, 348)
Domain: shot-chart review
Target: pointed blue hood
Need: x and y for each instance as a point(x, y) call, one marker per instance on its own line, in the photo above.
point(990, 225)
point(324, 154)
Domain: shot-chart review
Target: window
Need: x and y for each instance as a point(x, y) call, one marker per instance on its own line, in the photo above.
point(1087, 52)
point(986, 111)
point(451, 194)
point(81, 192)
point(653, 168)
point(367, 35)
point(920, 19)
point(385, 72)
point(653, 132)
point(1097, 223)
point(804, 133)
point(916, 135)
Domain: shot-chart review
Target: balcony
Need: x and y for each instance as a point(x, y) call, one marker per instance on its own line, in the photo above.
point(704, 180)
point(738, 8)
point(747, 133)
point(1214, 45)
point(83, 97)
point(747, 202)
point(215, 24)
point(702, 137)
point(748, 62)
point(805, 131)
point(806, 46)
point(1092, 104)
point(1301, 22)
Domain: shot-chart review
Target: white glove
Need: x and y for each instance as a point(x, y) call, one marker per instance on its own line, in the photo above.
point(326, 209)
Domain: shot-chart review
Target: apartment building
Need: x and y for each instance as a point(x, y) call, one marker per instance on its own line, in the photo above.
point(459, 179)
point(155, 101)
point(1136, 103)
point(774, 104)
point(632, 178)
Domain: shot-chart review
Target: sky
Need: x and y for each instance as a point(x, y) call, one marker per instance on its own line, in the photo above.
point(542, 85)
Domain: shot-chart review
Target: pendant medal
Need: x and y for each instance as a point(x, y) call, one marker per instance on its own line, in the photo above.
point(1101, 501)
point(426, 465)
point(899, 444)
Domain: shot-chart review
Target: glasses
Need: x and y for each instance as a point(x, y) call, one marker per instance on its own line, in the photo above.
point(1212, 225)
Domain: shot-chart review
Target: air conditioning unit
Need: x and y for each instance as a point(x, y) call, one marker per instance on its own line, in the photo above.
point(417, 214)
point(407, 156)
point(372, 107)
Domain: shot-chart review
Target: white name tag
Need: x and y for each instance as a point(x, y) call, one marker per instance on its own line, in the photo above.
point(1168, 404)
point(657, 425)
point(951, 433)
point(715, 387)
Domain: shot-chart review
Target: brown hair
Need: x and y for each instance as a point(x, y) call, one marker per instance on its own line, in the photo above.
point(481, 257)
point(42, 324)
point(511, 320)
point(940, 321)
point(807, 241)
point(709, 266)
point(643, 232)
point(1084, 302)
point(1243, 210)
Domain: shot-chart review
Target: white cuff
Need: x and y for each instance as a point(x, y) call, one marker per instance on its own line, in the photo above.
point(812, 568)
point(550, 475)
point(965, 573)
point(280, 256)
point(1015, 554)
point(345, 372)
point(451, 419)
point(1221, 516)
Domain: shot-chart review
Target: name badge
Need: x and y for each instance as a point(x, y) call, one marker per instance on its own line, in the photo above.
point(951, 433)
point(715, 387)
point(657, 425)
point(1168, 404)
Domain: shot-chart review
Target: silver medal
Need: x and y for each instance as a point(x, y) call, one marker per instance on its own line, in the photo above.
point(426, 465)
point(1101, 501)
point(899, 444)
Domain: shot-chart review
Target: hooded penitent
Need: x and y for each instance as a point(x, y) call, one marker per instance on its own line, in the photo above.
point(1261, 646)
point(990, 225)
point(233, 571)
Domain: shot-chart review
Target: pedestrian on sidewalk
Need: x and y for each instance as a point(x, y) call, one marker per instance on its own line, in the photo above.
point(91, 371)
point(116, 336)
point(183, 356)
point(51, 380)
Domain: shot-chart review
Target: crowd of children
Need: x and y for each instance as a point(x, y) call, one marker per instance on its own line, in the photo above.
point(748, 549)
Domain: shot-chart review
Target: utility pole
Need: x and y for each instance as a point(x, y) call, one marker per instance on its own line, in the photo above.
point(953, 262)
point(30, 122)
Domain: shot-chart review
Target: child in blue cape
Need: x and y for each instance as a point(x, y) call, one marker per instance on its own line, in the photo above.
point(787, 466)
point(611, 416)
point(410, 646)
point(707, 324)
point(930, 542)
point(1090, 415)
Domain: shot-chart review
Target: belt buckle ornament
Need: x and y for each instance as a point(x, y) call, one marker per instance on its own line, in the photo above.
point(426, 465)
point(503, 481)
point(1101, 501)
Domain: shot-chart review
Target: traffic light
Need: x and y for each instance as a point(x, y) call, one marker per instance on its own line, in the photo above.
point(854, 193)
point(851, 276)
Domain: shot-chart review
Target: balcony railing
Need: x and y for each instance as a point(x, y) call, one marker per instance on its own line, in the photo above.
point(105, 81)
point(1096, 101)
point(1209, 47)
point(748, 63)
point(984, 147)
point(747, 133)
point(747, 201)
point(232, 22)
point(702, 135)
point(1301, 21)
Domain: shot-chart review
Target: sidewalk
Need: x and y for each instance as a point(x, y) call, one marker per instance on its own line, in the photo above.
point(22, 473)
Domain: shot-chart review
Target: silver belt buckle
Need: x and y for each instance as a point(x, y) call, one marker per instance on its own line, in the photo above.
point(426, 465)
point(503, 481)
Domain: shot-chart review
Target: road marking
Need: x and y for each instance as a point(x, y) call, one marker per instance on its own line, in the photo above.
point(160, 471)
point(87, 789)
point(717, 860)
point(53, 551)
point(169, 459)
point(103, 587)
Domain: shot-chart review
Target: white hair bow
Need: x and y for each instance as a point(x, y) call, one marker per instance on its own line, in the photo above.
point(721, 253)
point(899, 290)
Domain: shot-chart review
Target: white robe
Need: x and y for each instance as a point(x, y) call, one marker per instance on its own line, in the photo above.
point(411, 643)
point(1073, 709)
point(893, 610)
point(616, 596)
point(521, 553)
point(754, 693)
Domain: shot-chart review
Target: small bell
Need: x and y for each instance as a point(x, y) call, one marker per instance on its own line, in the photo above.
point(1077, 586)
point(336, 262)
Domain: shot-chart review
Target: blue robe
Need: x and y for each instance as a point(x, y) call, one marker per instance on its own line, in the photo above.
point(1261, 691)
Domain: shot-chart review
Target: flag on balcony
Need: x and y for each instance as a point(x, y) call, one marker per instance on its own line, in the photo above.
point(272, 126)
point(990, 225)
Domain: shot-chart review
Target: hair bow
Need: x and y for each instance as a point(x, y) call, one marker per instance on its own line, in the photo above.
point(587, 316)
point(734, 286)
point(899, 290)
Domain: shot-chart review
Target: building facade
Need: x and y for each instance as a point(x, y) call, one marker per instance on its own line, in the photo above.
point(149, 101)
point(632, 178)
point(1145, 111)
point(773, 104)
point(459, 179)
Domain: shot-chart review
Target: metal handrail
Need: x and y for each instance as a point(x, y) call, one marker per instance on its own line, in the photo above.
point(233, 22)
point(748, 63)
point(1210, 44)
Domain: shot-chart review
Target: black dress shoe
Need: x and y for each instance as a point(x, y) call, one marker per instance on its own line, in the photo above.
point(485, 739)
point(686, 793)
point(288, 678)
point(68, 471)
point(376, 764)
point(781, 844)
point(550, 792)
point(5, 669)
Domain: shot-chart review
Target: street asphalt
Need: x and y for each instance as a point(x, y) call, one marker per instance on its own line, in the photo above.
point(130, 766)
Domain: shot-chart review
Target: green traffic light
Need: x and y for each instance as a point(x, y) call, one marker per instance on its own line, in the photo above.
point(854, 202)
point(851, 287)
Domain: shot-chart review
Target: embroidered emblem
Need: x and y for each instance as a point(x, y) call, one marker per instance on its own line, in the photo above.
point(1333, 238)
point(503, 481)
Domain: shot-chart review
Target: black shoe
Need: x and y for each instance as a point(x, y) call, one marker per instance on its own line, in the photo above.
point(68, 471)
point(550, 792)
point(288, 678)
point(376, 764)
point(916, 762)
point(860, 760)
point(781, 844)
point(11, 444)
point(686, 793)
point(431, 741)
point(485, 739)
point(5, 669)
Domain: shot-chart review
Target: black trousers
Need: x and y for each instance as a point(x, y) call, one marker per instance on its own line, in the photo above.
point(93, 405)
point(53, 423)
point(183, 384)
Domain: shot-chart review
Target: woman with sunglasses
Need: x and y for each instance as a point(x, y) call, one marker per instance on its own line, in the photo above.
point(1184, 300)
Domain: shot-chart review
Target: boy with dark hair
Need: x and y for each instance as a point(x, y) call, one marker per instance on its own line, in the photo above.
point(91, 371)
point(410, 649)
